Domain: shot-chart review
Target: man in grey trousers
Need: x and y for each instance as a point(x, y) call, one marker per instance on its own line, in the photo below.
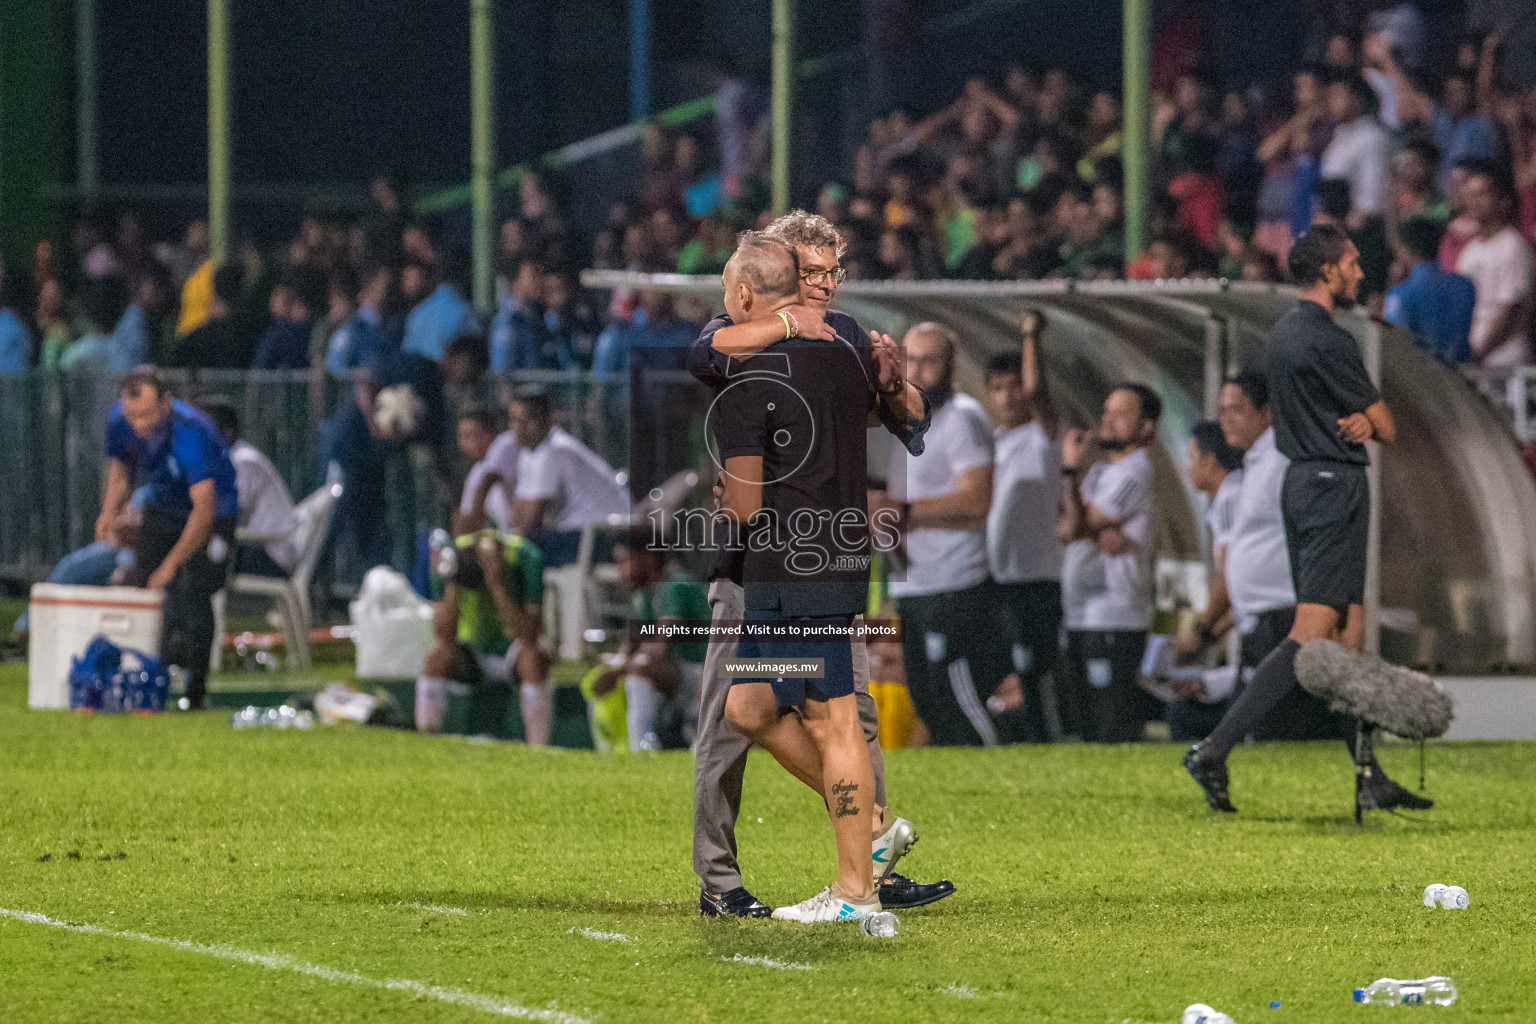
point(721, 751)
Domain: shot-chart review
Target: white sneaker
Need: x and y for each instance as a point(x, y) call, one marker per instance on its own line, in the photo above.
point(827, 906)
point(892, 846)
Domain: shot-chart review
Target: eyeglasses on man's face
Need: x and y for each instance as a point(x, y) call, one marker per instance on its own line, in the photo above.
point(820, 276)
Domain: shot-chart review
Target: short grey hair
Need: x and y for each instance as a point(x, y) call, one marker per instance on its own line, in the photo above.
point(797, 227)
point(767, 264)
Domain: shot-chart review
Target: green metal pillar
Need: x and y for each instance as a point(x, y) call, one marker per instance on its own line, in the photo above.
point(34, 144)
point(783, 98)
point(1136, 147)
point(218, 130)
point(482, 149)
point(86, 174)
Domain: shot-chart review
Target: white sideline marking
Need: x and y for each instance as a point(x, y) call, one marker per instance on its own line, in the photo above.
point(279, 962)
point(762, 961)
point(436, 909)
point(593, 933)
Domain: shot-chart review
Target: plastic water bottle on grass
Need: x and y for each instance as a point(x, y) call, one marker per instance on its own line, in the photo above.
point(1392, 992)
point(1199, 1013)
point(881, 925)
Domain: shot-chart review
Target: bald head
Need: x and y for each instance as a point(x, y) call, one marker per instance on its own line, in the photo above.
point(760, 275)
point(930, 354)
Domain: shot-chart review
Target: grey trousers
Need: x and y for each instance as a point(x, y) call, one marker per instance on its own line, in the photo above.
point(720, 754)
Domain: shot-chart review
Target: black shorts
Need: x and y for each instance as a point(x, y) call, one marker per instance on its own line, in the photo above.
point(836, 657)
point(1327, 512)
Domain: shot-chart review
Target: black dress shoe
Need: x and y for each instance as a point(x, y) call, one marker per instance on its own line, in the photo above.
point(898, 892)
point(736, 903)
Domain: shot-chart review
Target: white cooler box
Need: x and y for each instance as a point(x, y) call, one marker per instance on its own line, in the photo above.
point(65, 618)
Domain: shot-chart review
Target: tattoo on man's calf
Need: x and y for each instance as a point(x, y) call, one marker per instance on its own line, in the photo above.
point(846, 793)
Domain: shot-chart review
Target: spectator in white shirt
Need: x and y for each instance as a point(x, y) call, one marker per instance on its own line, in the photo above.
point(271, 535)
point(1360, 150)
point(1499, 263)
point(1106, 576)
point(492, 481)
point(562, 485)
point(1215, 470)
point(1022, 547)
point(944, 601)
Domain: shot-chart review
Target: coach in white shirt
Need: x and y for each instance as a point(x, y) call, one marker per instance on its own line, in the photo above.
point(944, 599)
point(492, 481)
point(1107, 573)
point(1259, 587)
point(1023, 549)
point(562, 485)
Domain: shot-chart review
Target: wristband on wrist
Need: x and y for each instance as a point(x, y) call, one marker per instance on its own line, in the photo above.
point(791, 327)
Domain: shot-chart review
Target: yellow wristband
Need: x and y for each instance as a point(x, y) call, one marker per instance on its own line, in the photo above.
point(787, 332)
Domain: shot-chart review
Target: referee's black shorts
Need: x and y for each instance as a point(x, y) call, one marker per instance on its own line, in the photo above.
point(1327, 512)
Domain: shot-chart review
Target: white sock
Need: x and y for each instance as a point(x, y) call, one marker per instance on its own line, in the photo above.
point(431, 703)
point(537, 701)
point(643, 702)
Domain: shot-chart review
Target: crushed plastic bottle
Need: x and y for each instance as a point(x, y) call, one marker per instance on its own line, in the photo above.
point(1199, 1013)
point(880, 925)
point(1438, 990)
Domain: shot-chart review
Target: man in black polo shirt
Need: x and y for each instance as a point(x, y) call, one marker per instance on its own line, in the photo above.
point(1325, 408)
point(790, 422)
point(721, 751)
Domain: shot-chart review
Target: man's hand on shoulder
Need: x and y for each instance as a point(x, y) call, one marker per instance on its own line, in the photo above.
point(811, 321)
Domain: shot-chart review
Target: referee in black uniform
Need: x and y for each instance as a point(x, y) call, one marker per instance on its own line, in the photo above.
point(1326, 408)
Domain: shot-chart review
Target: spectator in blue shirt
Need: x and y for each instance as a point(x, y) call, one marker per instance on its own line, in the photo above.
point(190, 508)
point(520, 334)
point(357, 340)
point(439, 318)
point(15, 339)
point(1435, 306)
point(656, 338)
point(104, 300)
point(285, 345)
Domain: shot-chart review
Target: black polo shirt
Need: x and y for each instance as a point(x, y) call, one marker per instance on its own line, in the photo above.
point(803, 405)
point(1316, 378)
point(713, 369)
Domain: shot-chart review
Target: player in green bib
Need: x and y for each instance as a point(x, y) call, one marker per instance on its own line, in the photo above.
point(490, 620)
point(630, 691)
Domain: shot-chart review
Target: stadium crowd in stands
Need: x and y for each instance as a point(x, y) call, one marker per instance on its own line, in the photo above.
point(1414, 144)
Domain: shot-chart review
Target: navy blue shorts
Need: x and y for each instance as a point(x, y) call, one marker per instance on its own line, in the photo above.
point(836, 657)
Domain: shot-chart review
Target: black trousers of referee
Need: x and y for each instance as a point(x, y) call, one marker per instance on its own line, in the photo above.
point(1104, 699)
point(1029, 630)
point(949, 645)
point(186, 637)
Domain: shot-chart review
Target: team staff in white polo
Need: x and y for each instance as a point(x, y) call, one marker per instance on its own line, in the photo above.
point(1022, 547)
point(945, 600)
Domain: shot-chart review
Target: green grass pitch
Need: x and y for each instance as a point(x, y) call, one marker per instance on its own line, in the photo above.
point(369, 875)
